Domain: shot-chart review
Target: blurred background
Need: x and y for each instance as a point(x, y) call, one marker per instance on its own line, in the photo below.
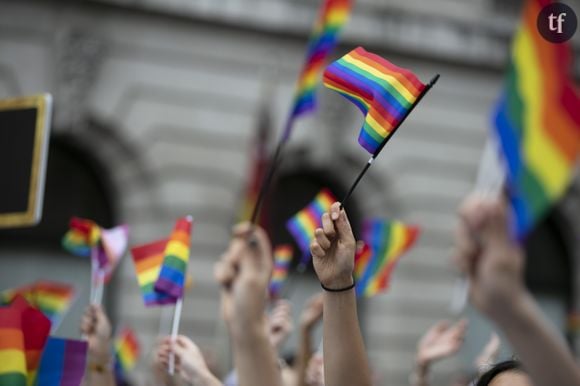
point(158, 107)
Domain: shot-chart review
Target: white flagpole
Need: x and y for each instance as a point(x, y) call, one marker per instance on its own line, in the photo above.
point(100, 287)
point(174, 330)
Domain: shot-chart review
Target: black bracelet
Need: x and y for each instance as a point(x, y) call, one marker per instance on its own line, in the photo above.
point(338, 289)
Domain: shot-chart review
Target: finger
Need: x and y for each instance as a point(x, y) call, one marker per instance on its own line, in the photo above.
point(328, 226)
point(342, 225)
point(224, 273)
point(321, 238)
point(316, 249)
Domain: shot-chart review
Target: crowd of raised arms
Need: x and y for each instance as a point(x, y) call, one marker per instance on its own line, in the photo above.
point(483, 251)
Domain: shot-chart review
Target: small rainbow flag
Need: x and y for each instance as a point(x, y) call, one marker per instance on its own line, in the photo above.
point(305, 222)
point(387, 241)
point(13, 370)
point(282, 259)
point(171, 280)
point(81, 237)
point(86, 238)
point(383, 92)
point(362, 259)
point(537, 122)
point(127, 351)
point(63, 362)
point(148, 259)
point(52, 298)
point(333, 15)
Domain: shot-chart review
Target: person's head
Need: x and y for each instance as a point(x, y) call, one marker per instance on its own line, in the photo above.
point(507, 373)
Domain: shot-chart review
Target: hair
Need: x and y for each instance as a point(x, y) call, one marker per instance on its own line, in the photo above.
point(499, 368)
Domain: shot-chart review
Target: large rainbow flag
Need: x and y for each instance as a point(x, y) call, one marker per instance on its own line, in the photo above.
point(537, 122)
point(387, 240)
point(323, 39)
point(305, 222)
point(282, 260)
point(127, 351)
point(63, 362)
point(24, 331)
point(383, 92)
point(171, 280)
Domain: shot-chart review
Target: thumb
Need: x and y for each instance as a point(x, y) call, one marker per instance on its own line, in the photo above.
point(341, 222)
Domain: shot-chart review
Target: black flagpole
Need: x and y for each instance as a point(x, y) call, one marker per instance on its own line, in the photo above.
point(272, 167)
point(376, 153)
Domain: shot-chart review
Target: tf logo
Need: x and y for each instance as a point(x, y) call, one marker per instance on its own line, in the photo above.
point(557, 22)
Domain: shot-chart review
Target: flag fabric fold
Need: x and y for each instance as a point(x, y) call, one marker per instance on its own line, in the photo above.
point(537, 122)
point(382, 91)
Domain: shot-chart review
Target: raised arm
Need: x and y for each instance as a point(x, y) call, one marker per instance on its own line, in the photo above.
point(97, 329)
point(345, 360)
point(310, 317)
point(494, 264)
point(441, 341)
point(244, 272)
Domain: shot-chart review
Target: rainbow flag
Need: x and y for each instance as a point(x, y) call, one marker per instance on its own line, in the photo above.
point(52, 298)
point(537, 121)
point(127, 351)
point(388, 241)
point(147, 259)
point(305, 222)
point(171, 280)
point(13, 370)
point(105, 247)
point(323, 39)
point(36, 328)
point(81, 237)
point(362, 258)
point(282, 259)
point(63, 362)
point(383, 92)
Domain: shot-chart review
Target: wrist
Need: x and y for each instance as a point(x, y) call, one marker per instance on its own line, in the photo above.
point(249, 330)
point(515, 311)
point(338, 282)
point(504, 308)
point(422, 366)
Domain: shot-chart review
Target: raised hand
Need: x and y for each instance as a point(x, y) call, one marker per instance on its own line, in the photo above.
point(244, 273)
point(488, 355)
point(333, 249)
point(95, 326)
point(441, 341)
point(312, 313)
point(280, 323)
point(190, 365)
point(486, 253)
